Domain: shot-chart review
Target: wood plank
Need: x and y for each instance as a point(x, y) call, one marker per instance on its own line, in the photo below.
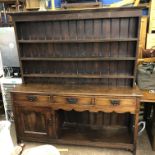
point(81, 5)
point(124, 27)
point(97, 29)
point(79, 40)
point(115, 28)
point(106, 28)
point(78, 59)
point(56, 29)
point(77, 89)
point(98, 13)
point(107, 134)
point(89, 29)
point(64, 30)
point(143, 31)
point(83, 143)
point(80, 76)
point(72, 28)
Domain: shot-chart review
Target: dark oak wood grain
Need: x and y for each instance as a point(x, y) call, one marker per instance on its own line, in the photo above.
point(91, 111)
point(79, 38)
point(78, 69)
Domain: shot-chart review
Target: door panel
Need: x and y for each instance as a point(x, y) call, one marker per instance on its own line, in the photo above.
point(36, 122)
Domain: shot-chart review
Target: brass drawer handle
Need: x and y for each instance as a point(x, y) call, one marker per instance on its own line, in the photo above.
point(32, 98)
point(72, 100)
point(115, 102)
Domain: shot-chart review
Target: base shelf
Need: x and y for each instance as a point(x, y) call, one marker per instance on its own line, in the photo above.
point(106, 135)
point(109, 137)
point(118, 138)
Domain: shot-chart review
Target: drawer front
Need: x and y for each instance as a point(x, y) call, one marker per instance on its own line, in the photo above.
point(115, 102)
point(31, 98)
point(72, 100)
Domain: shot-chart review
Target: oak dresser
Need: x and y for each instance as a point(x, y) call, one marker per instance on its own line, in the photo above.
point(79, 70)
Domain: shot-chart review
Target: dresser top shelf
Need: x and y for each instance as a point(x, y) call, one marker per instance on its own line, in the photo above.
point(96, 13)
point(88, 46)
point(60, 11)
point(95, 90)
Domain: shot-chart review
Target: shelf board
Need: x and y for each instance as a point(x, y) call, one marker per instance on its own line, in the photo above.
point(107, 138)
point(78, 40)
point(93, 76)
point(78, 59)
point(100, 138)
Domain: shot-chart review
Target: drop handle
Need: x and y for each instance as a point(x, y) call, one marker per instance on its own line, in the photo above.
point(32, 98)
point(115, 102)
point(72, 100)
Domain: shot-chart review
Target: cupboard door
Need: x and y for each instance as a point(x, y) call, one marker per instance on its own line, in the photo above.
point(36, 122)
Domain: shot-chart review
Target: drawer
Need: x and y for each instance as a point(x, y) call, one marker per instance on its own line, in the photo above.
point(72, 100)
point(115, 102)
point(31, 98)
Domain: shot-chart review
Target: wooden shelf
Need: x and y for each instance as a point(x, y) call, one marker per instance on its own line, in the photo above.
point(79, 45)
point(108, 138)
point(101, 138)
point(80, 76)
point(78, 40)
point(78, 59)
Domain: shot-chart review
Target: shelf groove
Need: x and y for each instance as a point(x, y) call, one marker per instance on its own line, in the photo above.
point(80, 76)
point(78, 59)
point(78, 40)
